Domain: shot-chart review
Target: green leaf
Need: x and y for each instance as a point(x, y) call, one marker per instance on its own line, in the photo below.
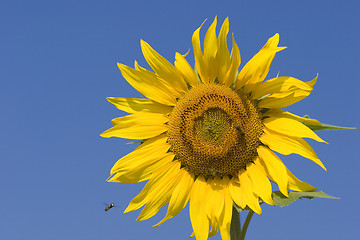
point(326, 127)
point(282, 201)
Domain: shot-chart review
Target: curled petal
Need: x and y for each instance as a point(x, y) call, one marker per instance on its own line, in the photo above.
point(284, 91)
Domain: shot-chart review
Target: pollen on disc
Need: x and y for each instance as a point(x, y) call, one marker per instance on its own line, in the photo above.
point(214, 131)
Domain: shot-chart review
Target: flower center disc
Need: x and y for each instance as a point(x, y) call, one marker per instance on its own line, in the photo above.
point(214, 131)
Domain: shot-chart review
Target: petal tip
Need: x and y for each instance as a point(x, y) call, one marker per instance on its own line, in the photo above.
point(128, 210)
point(321, 164)
point(103, 135)
point(121, 66)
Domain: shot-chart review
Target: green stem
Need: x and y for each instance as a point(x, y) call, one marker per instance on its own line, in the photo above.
point(246, 224)
point(235, 227)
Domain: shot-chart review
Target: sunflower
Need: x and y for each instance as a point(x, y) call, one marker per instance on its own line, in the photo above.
point(208, 134)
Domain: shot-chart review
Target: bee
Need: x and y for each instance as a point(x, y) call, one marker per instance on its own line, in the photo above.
point(213, 173)
point(109, 206)
point(238, 128)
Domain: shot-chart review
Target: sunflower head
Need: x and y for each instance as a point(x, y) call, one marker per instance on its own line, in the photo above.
point(209, 135)
point(214, 131)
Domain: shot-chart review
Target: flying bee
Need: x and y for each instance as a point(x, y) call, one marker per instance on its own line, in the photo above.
point(109, 206)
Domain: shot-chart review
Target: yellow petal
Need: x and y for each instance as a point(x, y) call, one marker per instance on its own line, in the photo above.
point(246, 191)
point(241, 191)
point(163, 68)
point(210, 50)
point(277, 112)
point(225, 218)
point(286, 145)
point(154, 148)
point(298, 185)
point(186, 70)
point(161, 194)
point(152, 187)
point(235, 192)
point(274, 166)
point(214, 228)
point(215, 200)
point(180, 195)
point(199, 57)
point(290, 127)
point(272, 42)
point(223, 55)
point(258, 67)
point(287, 94)
point(261, 184)
point(279, 85)
point(148, 85)
point(140, 125)
point(218, 206)
point(236, 60)
point(140, 172)
point(199, 220)
point(177, 92)
point(132, 105)
point(133, 132)
point(141, 118)
point(153, 207)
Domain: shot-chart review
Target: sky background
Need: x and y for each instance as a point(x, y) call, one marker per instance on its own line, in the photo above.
point(58, 65)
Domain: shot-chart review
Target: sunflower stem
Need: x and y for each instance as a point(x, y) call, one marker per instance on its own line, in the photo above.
point(246, 224)
point(235, 227)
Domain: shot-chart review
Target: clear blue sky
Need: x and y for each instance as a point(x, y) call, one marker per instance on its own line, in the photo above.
point(58, 65)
